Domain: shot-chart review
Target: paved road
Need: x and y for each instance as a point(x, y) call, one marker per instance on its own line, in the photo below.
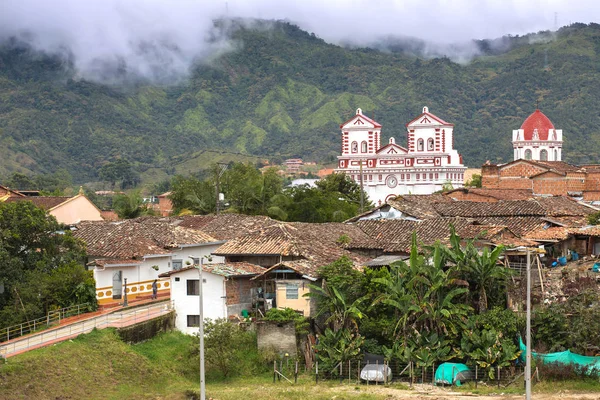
point(118, 319)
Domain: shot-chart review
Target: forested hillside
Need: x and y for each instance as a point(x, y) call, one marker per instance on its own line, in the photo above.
point(283, 92)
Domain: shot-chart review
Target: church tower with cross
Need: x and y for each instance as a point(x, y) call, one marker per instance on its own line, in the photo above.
point(537, 139)
point(427, 164)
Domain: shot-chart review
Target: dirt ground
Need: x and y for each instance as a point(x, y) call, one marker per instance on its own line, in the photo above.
point(429, 393)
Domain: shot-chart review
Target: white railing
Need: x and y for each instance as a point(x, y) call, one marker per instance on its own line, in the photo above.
point(117, 320)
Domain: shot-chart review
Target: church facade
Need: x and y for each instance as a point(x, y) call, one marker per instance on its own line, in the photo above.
point(425, 165)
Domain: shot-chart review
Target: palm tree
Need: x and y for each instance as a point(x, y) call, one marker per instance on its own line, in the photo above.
point(484, 271)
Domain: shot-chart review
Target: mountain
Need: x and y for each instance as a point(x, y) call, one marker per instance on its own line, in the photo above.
point(283, 93)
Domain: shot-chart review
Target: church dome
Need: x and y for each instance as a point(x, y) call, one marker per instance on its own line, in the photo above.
point(536, 121)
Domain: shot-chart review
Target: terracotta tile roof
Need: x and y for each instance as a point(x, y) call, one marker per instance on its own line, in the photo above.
point(498, 209)
point(589, 230)
point(4, 191)
point(226, 226)
point(395, 235)
point(562, 206)
point(102, 262)
point(518, 225)
point(134, 238)
point(419, 206)
point(319, 243)
point(498, 194)
point(45, 202)
point(559, 166)
point(223, 269)
point(552, 233)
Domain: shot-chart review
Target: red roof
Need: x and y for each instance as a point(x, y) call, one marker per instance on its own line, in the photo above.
point(538, 121)
point(430, 115)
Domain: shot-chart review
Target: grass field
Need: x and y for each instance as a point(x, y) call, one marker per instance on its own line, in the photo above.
point(100, 366)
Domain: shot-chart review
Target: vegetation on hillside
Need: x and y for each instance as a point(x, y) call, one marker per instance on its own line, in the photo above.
point(283, 92)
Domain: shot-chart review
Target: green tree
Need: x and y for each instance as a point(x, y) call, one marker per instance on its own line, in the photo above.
point(131, 205)
point(475, 181)
point(118, 171)
point(40, 264)
point(346, 187)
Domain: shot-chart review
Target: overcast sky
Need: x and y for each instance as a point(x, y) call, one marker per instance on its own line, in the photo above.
point(103, 33)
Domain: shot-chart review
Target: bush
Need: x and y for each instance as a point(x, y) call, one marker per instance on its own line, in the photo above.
point(229, 350)
point(288, 315)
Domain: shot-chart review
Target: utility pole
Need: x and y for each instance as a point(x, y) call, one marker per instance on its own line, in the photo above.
point(220, 169)
point(200, 326)
point(362, 196)
point(528, 333)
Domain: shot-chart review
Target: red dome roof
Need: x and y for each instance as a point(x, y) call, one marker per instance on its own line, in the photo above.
point(538, 121)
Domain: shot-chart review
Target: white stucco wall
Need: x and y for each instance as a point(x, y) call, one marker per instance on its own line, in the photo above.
point(213, 298)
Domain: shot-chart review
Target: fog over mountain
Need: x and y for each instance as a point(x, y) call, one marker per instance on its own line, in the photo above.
point(159, 40)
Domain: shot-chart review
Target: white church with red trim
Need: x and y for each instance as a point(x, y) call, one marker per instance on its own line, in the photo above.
point(425, 166)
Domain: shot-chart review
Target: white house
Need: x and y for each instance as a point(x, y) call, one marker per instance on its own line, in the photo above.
point(226, 291)
point(427, 163)
point(137, 251)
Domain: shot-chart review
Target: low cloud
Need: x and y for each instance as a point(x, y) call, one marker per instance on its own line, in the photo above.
point(111, 40)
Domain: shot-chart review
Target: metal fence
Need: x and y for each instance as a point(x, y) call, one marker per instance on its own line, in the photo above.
point(390, 372)
point(125, 317)
point(51, 319)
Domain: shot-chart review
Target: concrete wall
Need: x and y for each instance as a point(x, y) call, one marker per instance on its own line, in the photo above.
point(304, 304)
point(76, 210)
point(281, 337)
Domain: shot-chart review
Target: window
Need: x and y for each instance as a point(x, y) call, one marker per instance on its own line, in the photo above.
point(420, 145)
point(402, 176)
point(177, 265)
point(544, 155)
point(436, 176)
point(555, 155)
point(192, 287)
point(193, 321)
point(430, 177)
point(363, 147)
point(354, 147)
point(177, 279)
point(528, 154)
point(430, 144)
point(418, 176)
point(291, 291)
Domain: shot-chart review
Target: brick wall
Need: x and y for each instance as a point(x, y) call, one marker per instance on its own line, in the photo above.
point(550, 183)
point(591, 195)
point(592, 181)
point(521, 170)
point(239, 295)
point(490, 177)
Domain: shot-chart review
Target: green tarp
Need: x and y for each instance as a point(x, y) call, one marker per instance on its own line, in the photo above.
point(564, 357)
point(452, 373)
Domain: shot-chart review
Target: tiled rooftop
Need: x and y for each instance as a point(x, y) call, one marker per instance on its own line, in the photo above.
point(226, 226)
point(134, 238)
point(224, 269)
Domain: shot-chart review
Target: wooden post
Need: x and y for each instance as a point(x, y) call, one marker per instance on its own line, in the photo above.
point(498, 376)
point(376, 371)
point(349, 371)
point(358, 370)
point(410, 373)
point(433, 374)
point(274, 371)
point(341, 375)
point(367, 374)
point(317, 372)
point(475, 376)
point(296, 373)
